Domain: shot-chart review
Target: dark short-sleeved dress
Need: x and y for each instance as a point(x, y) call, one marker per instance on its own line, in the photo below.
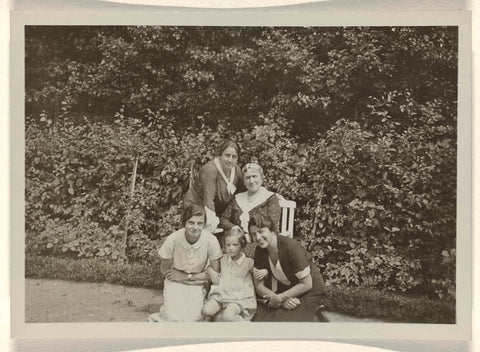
point(210, 189)
point(294, 261)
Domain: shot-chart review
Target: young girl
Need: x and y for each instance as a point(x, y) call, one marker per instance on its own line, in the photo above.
point(232, 293)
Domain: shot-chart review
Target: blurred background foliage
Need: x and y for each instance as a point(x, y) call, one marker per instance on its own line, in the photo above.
point(356, 124)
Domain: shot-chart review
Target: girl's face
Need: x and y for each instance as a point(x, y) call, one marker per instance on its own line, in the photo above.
point(229, 158)
point(263, 236)
point(233, 246)
point(194, 227)
point(252, 180)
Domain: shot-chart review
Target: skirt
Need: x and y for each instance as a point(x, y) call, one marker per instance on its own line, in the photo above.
point(309, 302)
point(181, 303)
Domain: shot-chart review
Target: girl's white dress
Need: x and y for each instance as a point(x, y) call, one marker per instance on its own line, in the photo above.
point(236, 285)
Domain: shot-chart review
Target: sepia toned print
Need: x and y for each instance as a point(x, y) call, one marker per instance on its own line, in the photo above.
point(333, 150)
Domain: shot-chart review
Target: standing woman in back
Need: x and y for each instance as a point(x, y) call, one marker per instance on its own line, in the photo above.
point(217, 182)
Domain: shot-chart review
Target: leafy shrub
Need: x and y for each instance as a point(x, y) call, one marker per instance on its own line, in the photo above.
point(357, 125)
point(95, 270)
point(365, 302)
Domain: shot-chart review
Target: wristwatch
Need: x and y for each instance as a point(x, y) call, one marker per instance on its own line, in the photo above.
point(189, 276)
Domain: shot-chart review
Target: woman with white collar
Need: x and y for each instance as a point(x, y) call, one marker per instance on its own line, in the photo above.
point(256, 200)
point(216, 184)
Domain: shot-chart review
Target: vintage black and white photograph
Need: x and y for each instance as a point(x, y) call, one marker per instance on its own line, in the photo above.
point(241, 174)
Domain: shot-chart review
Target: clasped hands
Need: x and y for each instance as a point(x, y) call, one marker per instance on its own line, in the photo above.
point(275, 301)
point(176, 275)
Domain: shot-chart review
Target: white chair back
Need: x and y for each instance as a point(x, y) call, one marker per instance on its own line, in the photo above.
point(288, 216)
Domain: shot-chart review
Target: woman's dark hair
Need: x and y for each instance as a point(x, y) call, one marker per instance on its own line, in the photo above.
point(229, 144)
point(237, 232)
point(260, 221)
point(194, 210)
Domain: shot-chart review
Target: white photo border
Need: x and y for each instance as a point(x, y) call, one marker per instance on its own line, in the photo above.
point(278, 17)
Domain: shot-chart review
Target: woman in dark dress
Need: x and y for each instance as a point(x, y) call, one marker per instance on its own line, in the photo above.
point(256, 200)
point(294, 286)
point(216, 184)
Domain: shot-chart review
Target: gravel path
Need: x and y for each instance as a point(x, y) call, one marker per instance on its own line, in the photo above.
point(49, 301)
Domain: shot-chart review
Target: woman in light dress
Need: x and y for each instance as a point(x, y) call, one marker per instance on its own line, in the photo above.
point(185, 255)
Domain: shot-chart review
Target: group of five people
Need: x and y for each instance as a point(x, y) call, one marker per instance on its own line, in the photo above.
point(204, 282)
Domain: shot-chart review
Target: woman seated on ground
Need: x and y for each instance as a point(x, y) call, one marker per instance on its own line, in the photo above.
point(256, 200)
point(216, 184)
point(293, 287)
point(185, 255)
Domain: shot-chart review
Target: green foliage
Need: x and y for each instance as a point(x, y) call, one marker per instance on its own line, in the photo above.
point(366, 302)
point(311, 76)
point(357, 125)
point(95, 270)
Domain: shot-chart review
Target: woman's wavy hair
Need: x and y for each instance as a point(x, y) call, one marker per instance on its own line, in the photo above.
point(194, 210)
point(255, 167)
point(261, 221)
point(229, 143)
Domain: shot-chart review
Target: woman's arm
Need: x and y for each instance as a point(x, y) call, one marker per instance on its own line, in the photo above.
point(262, 290)
point(226, 221)
point(165, 265)
point(208, 177)
point(303, 286)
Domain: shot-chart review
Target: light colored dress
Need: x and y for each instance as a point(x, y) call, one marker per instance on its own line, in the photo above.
point(183, 302)
point(236, 285)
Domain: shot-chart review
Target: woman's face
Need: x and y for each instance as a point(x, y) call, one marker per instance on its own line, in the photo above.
point(263, 236)
point(252, 180)
point(194, 227)
point(229, 158)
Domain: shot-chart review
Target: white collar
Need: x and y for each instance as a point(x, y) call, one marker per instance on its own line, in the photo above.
point(186, 244)
point(239, 261)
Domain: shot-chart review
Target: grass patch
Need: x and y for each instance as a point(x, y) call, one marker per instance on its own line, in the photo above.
point(365, 302)
point(360, 302)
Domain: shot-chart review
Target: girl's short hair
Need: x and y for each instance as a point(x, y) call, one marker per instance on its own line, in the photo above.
point(238, 233)
point(229, 144)
point(261, 221)
point(255, 167)
point(194, 210)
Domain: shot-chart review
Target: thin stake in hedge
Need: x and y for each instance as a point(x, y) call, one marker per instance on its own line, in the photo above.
point(127, 219)
point(315, 222)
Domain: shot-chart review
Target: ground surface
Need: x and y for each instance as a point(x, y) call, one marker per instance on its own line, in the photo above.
point(48, 301)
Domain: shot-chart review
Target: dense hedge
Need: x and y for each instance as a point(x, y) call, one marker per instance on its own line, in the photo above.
point(361, 302)
point(357, 125)
point(376, 208)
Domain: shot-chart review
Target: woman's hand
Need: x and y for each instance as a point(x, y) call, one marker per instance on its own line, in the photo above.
point(275, 301)
point(291, 303)
point(175, 275)
point(214, 276)
point(259, 274)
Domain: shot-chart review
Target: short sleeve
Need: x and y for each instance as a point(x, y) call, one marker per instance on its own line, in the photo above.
point(298, 259)
point(260, 259)
point(168, 248)
point(214, 250)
